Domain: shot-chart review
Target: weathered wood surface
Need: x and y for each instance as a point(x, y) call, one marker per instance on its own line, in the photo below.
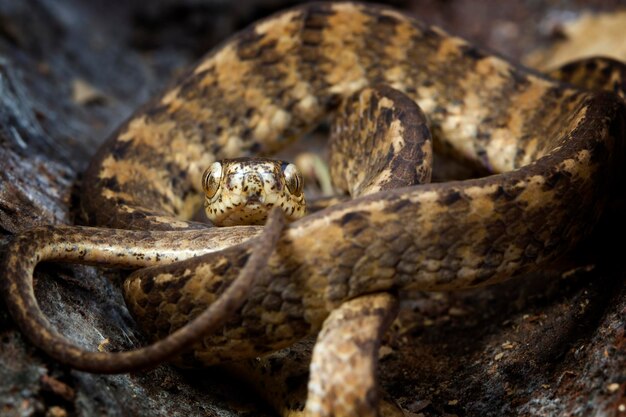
point(71, 70)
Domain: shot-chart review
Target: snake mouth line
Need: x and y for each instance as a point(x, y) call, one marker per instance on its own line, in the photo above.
point(254, 200)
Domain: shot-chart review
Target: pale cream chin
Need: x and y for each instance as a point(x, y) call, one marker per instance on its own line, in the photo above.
point(252, 214)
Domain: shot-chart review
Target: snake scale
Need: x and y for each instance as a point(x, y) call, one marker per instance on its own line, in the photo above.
point(553, 153)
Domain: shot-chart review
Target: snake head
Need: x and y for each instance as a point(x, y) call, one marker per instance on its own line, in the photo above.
point(242, 191)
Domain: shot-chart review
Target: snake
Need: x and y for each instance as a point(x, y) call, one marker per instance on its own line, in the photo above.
point(550, 154)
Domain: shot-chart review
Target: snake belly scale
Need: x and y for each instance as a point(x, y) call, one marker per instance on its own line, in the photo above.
point(554, 152)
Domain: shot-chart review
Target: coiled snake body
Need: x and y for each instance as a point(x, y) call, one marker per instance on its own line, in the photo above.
point(555, 152)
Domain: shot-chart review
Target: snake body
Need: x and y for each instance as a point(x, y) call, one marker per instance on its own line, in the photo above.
point(553, 153)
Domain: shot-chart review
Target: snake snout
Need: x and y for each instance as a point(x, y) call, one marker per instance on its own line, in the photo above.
point(253, 187)
point(256, 198)
point(248, 190)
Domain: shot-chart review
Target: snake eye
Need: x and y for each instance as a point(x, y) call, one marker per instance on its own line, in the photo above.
point(211, 179)
point(293, 179)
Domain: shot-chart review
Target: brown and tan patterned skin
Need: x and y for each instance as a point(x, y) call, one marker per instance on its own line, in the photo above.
point(343, 376)
point(340, 372)
point(394, 143)
point(558, 148)
point(597, 73)
point(556, 153)
point(396, 146)
point(242, 191)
